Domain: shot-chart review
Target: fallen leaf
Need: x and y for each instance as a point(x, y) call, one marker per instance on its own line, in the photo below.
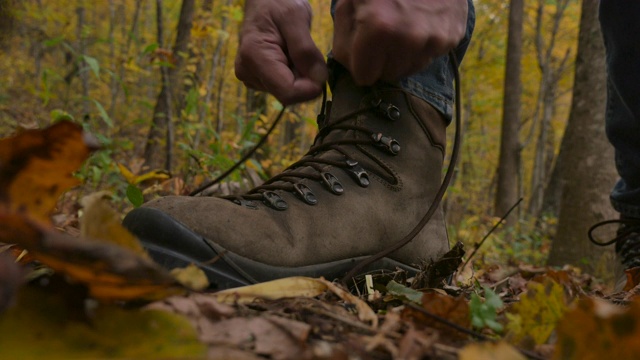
point(269, 336)
point(538, 312)
point(465, 276)
point(109, 271)
point(490, 351)
point(416, 344)
point(41, 326)
point(228, 353)
point(137, 179)
point(11, 277)
point(595, 329)
point(453, 309)
point(364, 311)
point(633, 278)
point(195, 307)
point(99, 221)
point(393, 288)
point(436, 272)
point(271, 290)
point(36, 167)
point(391, 324)
point(191, 277)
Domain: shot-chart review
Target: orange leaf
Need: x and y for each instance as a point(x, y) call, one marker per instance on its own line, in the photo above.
point(109, 271)
point(36, 167)
point(633, 278)
point(596, 329)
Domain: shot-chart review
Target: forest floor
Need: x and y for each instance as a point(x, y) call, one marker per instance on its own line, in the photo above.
point(75, 284)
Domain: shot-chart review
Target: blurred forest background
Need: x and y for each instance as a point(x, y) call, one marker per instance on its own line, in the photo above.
point(154, 80)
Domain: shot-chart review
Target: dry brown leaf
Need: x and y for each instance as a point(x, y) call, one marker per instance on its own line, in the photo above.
point(229, 353)
point(11, 276)
point(416, 344)
point(490, 351)
point(36, 167)
point(633, 278)
point(276, 338)
point(455, 310)
point(364, 311)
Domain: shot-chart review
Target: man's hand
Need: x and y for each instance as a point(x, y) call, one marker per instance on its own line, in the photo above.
point(389, 39)
point(276, 53)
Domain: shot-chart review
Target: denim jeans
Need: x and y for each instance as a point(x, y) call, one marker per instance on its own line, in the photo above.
point(620, 22)
point(435, 83)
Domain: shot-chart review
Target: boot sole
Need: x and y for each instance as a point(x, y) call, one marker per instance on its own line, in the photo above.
point(173, 245)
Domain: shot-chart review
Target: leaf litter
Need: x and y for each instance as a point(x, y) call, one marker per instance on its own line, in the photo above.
point(100, 295)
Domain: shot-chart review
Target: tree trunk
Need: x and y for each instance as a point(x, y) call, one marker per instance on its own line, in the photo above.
point(162, 125)
point(124, 55)
point(507, 188)
point(220, 61)
point(82, 65)
point(587, 157)
point(551, 70)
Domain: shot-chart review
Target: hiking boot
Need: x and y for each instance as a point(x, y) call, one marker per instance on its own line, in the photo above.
point(627, 244)
point(366, 182)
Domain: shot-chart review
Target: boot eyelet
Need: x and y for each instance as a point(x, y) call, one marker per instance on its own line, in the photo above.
point(332, 183)
point(246, 203)
point(357, 173)
point(274, 200)
point(390, 111)
point(305, 194)
point(390, 145)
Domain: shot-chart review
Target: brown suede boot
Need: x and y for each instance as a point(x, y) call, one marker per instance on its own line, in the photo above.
point(367, 181)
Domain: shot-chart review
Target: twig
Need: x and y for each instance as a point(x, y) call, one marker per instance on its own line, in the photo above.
point(453, 325)
point(504, 217)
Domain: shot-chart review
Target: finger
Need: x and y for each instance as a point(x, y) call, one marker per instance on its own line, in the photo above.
point(306, 58)
point(270, 71)
point(247, 77)
point(369, 53)
point(343, 32)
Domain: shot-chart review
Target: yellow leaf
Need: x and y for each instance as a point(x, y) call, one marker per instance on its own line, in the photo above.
point(99, 221)
point(490, 351)
point(152, 175)
point(126, 173)
point(536, 315)
point(275, 289)
point(137, 179)
point(191, 277)
point(42, 325)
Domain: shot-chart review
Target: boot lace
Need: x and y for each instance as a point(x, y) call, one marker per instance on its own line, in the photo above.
point(289, 179)
point(627, 240)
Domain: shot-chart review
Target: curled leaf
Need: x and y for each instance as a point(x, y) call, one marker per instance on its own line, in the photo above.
point(271, 290)
point(111, 272)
